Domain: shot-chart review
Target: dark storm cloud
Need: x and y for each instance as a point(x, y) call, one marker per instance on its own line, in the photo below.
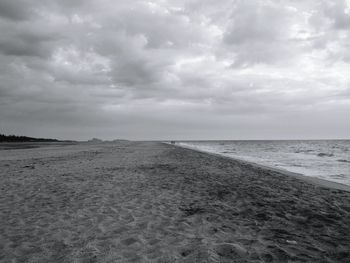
point(171, 68)
point(25, 42)
point(15, 10)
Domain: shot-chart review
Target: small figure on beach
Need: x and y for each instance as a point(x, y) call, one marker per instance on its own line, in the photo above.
point(172, 142)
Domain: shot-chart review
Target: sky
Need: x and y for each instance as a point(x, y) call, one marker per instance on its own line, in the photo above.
point(175, 69)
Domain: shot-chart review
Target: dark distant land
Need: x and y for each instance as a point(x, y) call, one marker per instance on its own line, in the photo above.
point(24, 142)
point(15, 138)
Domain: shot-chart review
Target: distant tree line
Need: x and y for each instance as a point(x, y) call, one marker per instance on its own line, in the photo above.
point(15, 138)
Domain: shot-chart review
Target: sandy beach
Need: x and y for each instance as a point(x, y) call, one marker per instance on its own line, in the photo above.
point(153, 202)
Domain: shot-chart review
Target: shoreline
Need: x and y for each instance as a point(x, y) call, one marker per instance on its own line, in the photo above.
point(309, 179)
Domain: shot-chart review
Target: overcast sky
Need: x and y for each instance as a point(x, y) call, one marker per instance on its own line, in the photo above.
point(175, 69)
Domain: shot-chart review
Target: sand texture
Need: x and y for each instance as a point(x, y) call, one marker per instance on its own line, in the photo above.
point(152, 202)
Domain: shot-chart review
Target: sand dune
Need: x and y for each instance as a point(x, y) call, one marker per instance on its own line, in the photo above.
point(151, 202)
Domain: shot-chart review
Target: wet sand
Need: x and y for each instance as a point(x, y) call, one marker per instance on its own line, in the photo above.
point(152, 202)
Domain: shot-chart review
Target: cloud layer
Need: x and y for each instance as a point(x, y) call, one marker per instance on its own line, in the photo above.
point(194, 69)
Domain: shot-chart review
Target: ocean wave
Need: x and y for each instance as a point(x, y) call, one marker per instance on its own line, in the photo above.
point(303, 151)
point(338, 176)
point(343, 161)
point(341, 148)
point(297, 165)
point(325, 154)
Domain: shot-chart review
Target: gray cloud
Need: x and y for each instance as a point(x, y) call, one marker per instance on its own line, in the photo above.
point(174, 69)
point(14, 10)
point(261, 32)
point(338, 13)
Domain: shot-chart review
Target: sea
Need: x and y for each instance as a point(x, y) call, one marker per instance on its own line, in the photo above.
point(325, 159)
